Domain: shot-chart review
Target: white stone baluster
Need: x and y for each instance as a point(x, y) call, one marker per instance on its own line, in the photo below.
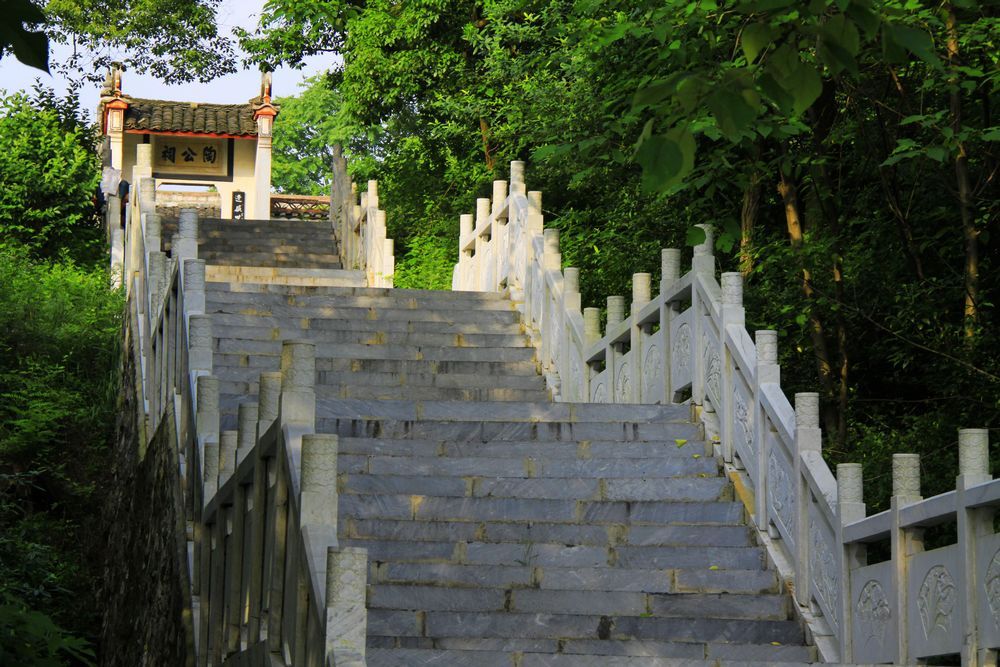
point(808, 438)
point(670, 273)
point(767, 372)
point(850, 508)
point(974, 524)
point(732, 314)
point(297, 404)
point(905, 541)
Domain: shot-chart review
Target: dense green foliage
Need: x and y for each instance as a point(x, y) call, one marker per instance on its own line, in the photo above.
point(48, 176)
point(59, 331)
point(174, 40)
point(303, 139)
point(844, 149)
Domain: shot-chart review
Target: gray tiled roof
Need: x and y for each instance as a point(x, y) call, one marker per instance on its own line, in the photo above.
point(164, 116)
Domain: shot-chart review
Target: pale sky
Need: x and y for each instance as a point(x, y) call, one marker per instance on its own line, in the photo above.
point(232, 89)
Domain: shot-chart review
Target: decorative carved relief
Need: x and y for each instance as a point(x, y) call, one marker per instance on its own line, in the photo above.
point(823, 570)
point(576, 370)
point(623, 386)
point(713, 374)
point(651, 368)
point(779, 490)
point(744, 420)
point(992, 586)
point(681, 351)
point(874, 612)
point(600, 393)
point(936, 600)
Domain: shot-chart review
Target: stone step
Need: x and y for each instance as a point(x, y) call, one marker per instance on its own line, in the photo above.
point(548, 601)
point(285, 276)
point(624, 416)
point(541, 468)
point(493, 431)
point(541, 531)
point(417, 326)
point(270, 303)
point(332, 317)
point(390, 292)
point(370, 393)
point(466, 651)
point(674, 489)
point(415, 367)
point(357, 351)
point(428, 508)
point(250, 375)
point(669, 580)
point(335, 334)
point(414, 657)
point(570, 626)
point(583, 450)
point(242, 257)
point(561, 555)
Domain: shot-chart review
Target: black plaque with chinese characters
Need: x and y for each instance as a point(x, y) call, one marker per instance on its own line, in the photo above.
point(239, 205)
point(193, 158)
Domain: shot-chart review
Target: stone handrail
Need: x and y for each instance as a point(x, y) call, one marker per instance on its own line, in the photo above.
point(362, 234)
point(689, 342)
point(265, 574)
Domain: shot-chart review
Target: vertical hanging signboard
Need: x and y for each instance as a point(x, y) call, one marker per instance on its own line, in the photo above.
point(239, 205)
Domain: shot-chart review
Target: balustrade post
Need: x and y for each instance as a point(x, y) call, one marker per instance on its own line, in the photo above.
point(501, 249)
point(193, 280)
point(346, 616)
point(156, 268)
point(850, 508)
point(297, 403)
point(974, 523)
point(731, 315)
point(228, 441)
point(591, 334)
point(388, 262)
point(905, 541)
point(207, 413)
point(153, 230)
point(612, 353)
point(767, 372)
point(808, 438)
point(466, 259)
point(572, 385)
point(702, 265)
point(185, 244)
point(200, 344)
point(484, 248)
point(517, 185)
point(247, 428)
point(318, 500)
point(641, 293)
point(670, 273)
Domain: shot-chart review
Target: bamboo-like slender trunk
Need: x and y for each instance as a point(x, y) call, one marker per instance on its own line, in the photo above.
point(965, 206)
point(793, 220)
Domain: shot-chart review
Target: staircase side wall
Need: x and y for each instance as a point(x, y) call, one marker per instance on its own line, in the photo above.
point(144, 596)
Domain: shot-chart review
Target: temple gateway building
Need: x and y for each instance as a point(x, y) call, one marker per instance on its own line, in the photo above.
point(225, 148)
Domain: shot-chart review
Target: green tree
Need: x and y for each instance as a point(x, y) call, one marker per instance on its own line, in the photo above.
point(174, 40)
point(304, 133)
point(48, 176)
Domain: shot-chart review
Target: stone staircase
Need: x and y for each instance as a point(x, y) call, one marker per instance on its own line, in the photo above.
point(501, 528)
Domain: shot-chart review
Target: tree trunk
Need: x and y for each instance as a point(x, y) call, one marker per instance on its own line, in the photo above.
point(748, 220)
point(793, 220)
point(969, 231)
point(484, 131)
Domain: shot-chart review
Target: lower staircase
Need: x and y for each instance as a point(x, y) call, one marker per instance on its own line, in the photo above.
point(502, 528)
